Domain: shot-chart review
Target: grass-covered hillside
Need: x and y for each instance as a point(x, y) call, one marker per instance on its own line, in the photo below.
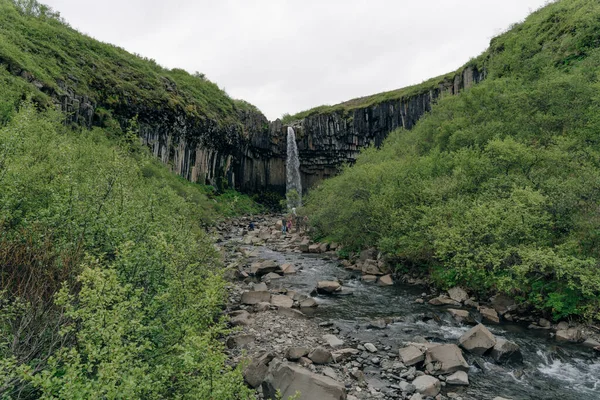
point(498, 188)
point(37, 45)
point(109, 286)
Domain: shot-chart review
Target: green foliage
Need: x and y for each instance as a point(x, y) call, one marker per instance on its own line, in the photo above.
point(496, 189)
point(110, 286)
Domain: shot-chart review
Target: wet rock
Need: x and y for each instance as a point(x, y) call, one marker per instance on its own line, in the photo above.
point(328, 287)
point(461, 316)
point(573, 335)
point(333, 341)
point(505, 351)
point(370, 347)
point(369, 278)
point(477, 340)
point(427, 385)
point(591, 343)
point(377, 324)
point(458, 294)
point(289, 379)
point(386, 280)
point(367, 254)
point(320, 355)
point(251, 298)
point(459, 378)
point(503, 303)
point(288, 269)
point(489, 314)
point(471, 303)
point(324, 247)
point(443, 301)
point(446, 359)
point(256, 371)
point(296, 353)
point(308, 303)
point(411, 355)
point(544, 323)
point(282, 301)
point(291, 313)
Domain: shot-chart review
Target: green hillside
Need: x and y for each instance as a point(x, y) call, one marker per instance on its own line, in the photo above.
point(497, 188)
point(110, 286)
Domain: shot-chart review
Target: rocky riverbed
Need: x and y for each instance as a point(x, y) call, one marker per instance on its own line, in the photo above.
point(346, 329)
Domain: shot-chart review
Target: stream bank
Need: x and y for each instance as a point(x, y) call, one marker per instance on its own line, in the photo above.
point(357, 342)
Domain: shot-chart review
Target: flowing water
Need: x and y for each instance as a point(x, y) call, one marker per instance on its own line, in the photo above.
point(550, 371)
point(293, 181)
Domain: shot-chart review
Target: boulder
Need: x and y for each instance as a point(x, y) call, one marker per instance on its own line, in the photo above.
point(314, 248)
point(333, 341)
point(308, 303)
point(281, 300)
point(343, 354)
point(386, 280)
point(260, 287)
point(290, 378)
point(256, 371)
point(251, 298)
point(446, 359)
point(505, 351)
point(262, 268)
point(458, 294)
point(591, 343)
point(411, 355)
point(370, 267)
point(303, 247)
point(503, 303)
point(489, 314)
point(459, 378)
point(296, 353)
point(477, 340)
point(573, 335)
point(240, 341)
point(367, 254)
point(427, 385)
point(288, 269)
point(290, 313)
point(262, 306)
point(271, 276)
point(320, 355)
point(324, 247)
point(461, 316)
point(241, 319)
point(443, 301)
point(328, 287)
point(377, 324)
point(471, 303)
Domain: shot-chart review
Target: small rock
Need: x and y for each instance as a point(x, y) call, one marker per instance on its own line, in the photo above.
point(271, 276)
point(503, 303)
point(461, 316)
point(377, 324)
point(489, 314)
point(427, 385)
point(443, 301)
point(328, 287)
point(263, 306)
point(260, 287)
point(369, 278)
point(240, 341)
point(386, 280)
point(459, 378)
point(251, 298)
point(505, 351)
point(446, 359)
point(308, 303)
point(328, 371)
point(241, 319)
point(371, 347)
point(282, 301)
point(458, 294)
point(411, 355)
point(320, 356)
point(544, 323)
point(343, 354)
point(333, 341)
point(296, 353)
point(573, 335)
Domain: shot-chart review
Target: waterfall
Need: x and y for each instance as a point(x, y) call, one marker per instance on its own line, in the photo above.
point(293, 171)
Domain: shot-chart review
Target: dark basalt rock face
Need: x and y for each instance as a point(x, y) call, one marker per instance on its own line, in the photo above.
point(250, 153)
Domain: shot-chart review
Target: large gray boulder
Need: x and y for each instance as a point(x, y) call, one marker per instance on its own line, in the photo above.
point(477, 340)
point(446, 359)
point(263, 268)
point(320, 355)
point(505, 351)
point(411, 355)
point(459, 378)
point(458, 294)
point(281, 300)
point(289, 379)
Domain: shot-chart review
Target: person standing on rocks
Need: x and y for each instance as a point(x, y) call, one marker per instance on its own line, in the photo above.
point(283, 225)
point(289, 224)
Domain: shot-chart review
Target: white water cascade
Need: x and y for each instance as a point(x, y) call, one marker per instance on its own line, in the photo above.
point(293, 182)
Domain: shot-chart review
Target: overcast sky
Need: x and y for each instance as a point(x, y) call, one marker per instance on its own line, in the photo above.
point(286, 56)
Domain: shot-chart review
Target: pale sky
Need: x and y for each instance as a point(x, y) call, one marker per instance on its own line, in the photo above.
point(286, 56)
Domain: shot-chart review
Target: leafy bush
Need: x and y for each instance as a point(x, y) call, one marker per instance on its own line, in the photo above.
point(496, 189)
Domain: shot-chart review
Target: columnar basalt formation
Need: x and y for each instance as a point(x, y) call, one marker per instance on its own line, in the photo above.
point(249, 153)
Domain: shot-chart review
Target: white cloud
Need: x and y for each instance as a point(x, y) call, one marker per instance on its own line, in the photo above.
point(291, 55)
